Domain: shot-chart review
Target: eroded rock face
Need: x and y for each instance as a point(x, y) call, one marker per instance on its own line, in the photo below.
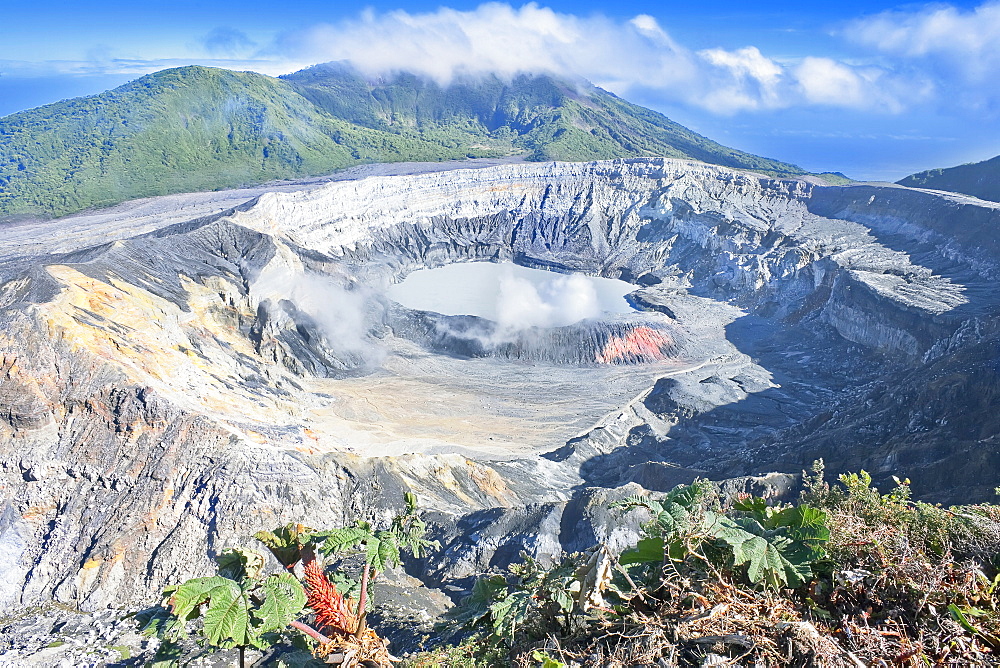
point(165, 395)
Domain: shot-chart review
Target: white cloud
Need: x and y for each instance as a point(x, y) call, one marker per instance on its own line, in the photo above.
point(825, 81)
point(828, 82)
point(968, 42)
point(628, 57)
point(743, 79)
point(617, 55)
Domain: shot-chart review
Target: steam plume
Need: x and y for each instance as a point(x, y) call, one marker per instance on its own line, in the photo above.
point(560, 301)
point(344, 316)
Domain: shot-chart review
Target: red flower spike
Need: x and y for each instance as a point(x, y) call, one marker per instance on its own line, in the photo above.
point(333, 612)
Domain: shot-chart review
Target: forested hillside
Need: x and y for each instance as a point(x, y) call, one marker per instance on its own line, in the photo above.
point(198, 128)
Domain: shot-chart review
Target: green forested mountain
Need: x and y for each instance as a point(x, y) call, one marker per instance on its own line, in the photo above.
point(178, 130)
point(979, 179)
point(550, 119)
point(197, 128)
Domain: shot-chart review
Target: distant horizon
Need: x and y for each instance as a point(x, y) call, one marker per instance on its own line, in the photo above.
point(875, 91)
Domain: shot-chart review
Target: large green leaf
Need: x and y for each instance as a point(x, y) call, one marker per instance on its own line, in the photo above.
point(771, 559)
point(807, 523)
point(510, 612)
point(284, 599)
point(227, 616)
point(805, 516)
point(648, 550)
point(388, 551)
point(671, 513)
point(344, 539)
point(476, 605)
point(768, 564)
point(755, 505)
point(189, 596)
point(371, 552)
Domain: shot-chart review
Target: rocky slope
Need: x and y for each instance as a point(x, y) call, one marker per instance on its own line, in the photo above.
point(181, 381)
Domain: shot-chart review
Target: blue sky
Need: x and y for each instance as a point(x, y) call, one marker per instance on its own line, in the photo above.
point(873, 89)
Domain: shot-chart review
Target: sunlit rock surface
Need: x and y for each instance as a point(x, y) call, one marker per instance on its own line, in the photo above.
point(174, 377)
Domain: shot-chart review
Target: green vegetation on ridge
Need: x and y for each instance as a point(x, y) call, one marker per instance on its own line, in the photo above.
point(549, 118)
point(847, 577)
point(979, 179)
point(180, 130)
point(197, 128)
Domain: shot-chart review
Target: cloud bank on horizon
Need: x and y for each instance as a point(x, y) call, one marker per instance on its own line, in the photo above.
point(893, 61)
point(617, 55)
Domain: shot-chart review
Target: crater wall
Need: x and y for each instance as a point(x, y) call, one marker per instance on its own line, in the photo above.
point(186, 385)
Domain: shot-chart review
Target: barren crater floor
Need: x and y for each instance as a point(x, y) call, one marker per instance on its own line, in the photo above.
point(425, 403)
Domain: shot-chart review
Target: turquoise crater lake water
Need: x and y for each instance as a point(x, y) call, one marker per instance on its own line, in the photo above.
point(513, 296)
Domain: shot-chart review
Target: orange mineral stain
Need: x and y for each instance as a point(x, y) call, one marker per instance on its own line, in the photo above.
point(644, 343)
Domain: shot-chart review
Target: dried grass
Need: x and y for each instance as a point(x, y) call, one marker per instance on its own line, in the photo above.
point(743, 626)
point(346, 651)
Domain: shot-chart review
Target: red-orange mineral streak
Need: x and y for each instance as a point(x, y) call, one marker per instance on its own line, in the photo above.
point(644, 343)
point(333, 612)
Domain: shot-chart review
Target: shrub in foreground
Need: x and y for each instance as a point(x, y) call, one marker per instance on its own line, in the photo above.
point(240, 607)
point(846, 577)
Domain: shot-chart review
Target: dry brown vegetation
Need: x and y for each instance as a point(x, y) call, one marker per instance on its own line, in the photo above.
point(899, 583)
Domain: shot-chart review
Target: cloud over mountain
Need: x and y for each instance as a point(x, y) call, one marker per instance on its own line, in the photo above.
point(936, 55)
point(617, 55)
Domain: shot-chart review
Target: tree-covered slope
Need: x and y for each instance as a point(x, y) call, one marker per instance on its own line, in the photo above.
point(549, 118)
point(179, 130)
point(979, 179)
point(197, 128)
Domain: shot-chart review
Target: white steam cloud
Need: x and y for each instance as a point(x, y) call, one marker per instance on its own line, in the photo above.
point(344, 317)
point(514, 297)
point(617, 55)
point(561, 301)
